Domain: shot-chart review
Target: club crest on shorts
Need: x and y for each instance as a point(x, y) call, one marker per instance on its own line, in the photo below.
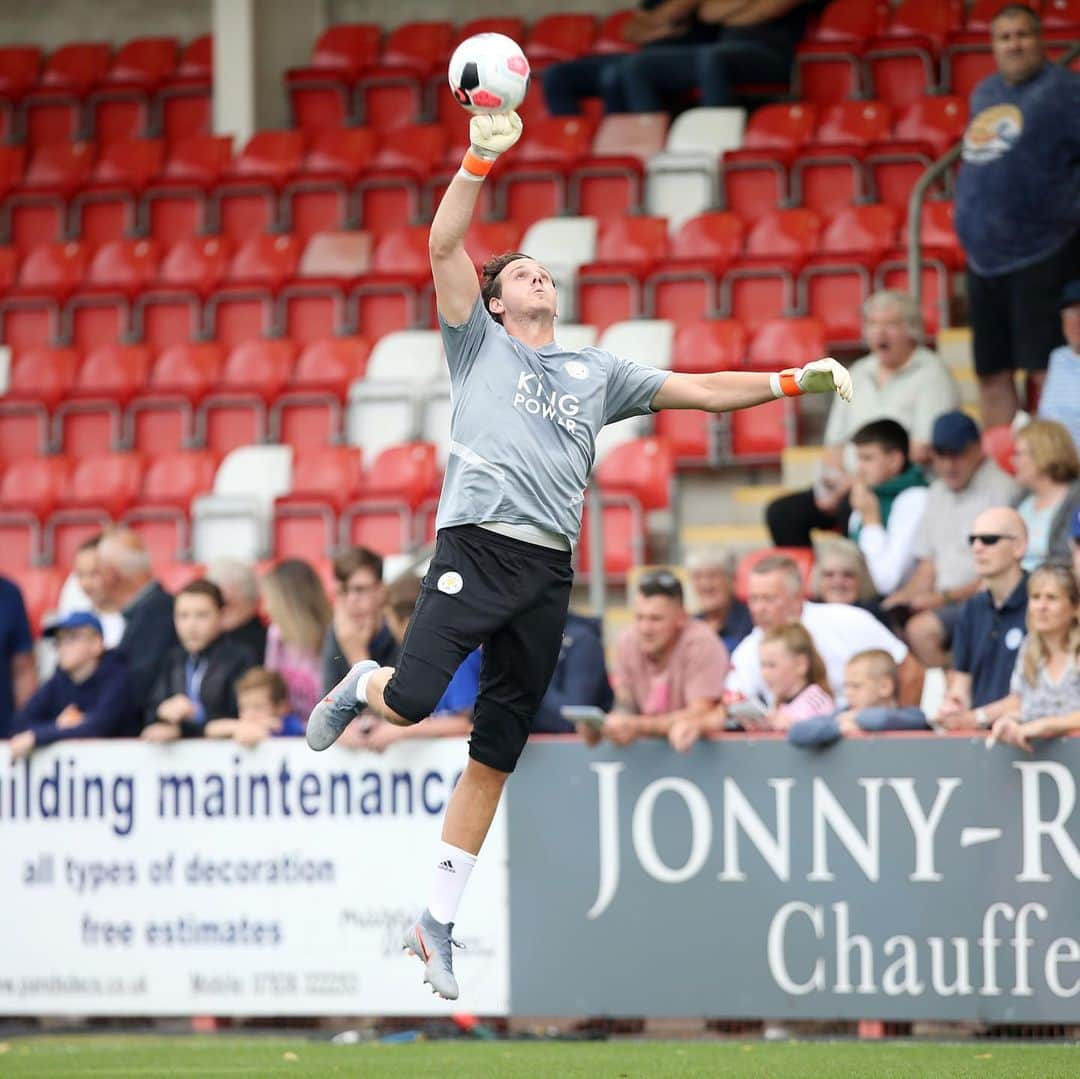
point(450, 582)
point(576, 369)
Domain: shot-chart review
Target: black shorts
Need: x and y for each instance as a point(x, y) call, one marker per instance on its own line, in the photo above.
point(486, 589)
point(1014, 316)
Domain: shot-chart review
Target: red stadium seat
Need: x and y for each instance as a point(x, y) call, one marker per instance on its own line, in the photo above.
point(389, 195)
point(170, 485)
point(20, 66)
point(162, 419)
point(388, 297)
point(487, 238)
point(174, 207)
point(12, 166)
point(709, 345)
point(242, 307)
point(40, 379)
point(610, 180)
point(245, 201)
point(938, 121)
point(609, 289)
point(827, 66)
point(184, 99)
point(853, 123)
point(508, 25)
point(939, 234)
point(559, 37)
point(802, 556)
point(106, 207)
point(317, 198)
point(685, 285)
point(786, 342)
point(310, 409)
point(29, 489)
point(235, 413)
point(91, 416)
point(100, 311)
point(759, 439)
point(31, 310)
point(324, 480)
point(9, 268)
point(320, 95)
point(34, 211)
point(120, 105)
point(40, 587)
point(53, 111)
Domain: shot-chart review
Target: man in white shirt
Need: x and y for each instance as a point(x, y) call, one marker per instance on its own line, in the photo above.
point(839, 632)
point(84, 591)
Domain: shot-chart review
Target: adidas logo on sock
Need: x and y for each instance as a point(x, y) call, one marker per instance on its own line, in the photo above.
point(447, 865)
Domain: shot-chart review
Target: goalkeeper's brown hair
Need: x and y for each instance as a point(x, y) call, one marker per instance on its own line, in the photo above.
point(490, 285)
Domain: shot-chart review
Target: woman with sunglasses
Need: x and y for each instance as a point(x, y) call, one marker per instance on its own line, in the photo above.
point(1048, 469)
point(1045, 696)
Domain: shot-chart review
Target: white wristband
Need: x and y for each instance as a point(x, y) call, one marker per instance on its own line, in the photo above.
point(774, 384)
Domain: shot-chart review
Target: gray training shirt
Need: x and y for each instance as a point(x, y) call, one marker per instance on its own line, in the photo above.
point(523, 424)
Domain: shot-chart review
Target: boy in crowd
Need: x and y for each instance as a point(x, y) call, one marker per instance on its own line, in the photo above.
point(872, 690)
point(262, 703)
point(197, 682)
point(89, 696)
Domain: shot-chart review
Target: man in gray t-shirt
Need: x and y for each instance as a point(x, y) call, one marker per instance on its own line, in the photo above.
point(524, 421)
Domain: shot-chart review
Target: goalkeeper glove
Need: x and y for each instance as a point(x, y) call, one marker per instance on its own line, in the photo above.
point(489, 135)
point(821, 376)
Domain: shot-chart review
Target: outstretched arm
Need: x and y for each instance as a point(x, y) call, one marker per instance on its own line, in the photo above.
point(725, 391)
point(456, 285)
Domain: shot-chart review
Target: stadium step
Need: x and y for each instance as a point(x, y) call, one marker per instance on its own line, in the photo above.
point(798, 465)
point(954, 347)
point(737, 538)
point(749, 502)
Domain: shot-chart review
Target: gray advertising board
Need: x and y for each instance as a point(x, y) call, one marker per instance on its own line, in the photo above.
point(890, 878)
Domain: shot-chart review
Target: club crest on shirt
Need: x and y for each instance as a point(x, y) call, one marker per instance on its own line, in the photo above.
point(576, 369)
point(450, 582)
point(1014, 638)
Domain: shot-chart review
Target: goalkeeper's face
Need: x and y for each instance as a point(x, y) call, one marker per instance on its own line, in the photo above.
point(528, 291)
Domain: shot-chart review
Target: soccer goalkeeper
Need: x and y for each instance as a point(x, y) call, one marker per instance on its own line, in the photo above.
point(526, 413)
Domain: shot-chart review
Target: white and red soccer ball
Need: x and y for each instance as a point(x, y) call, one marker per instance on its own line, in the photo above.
point(489, 73)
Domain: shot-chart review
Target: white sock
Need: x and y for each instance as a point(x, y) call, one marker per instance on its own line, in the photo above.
point(453, 867)
point(361, 689)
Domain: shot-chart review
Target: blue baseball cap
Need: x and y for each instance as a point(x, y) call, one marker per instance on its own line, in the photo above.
point(953, 432)
point(1070, 294)
point(76, 620)
point(1074, 526)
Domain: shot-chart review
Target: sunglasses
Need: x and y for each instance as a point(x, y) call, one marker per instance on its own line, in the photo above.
point(987, 539)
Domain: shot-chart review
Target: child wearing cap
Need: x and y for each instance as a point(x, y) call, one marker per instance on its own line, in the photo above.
point(89, 696)
point(262, 701)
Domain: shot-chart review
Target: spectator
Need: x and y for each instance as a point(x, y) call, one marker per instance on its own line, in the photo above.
point(668, 666)
point(262, 704)
point(300, 615)
point(1018, 209)
point(240, 616)
point(656, 23)
point(358, 630)
point(197, 681)
point(990, 628)
point(899, 380)
point(1047, 467)
point(580, 676)
point(712, 576)
point(840, 576)
point(89, 696)
point(1045, 697)
point(794, 674)
point(1060, 398)
point(18, 676)
point(888, 499)
point(929, 602)
point(128, 585)
point(452, 714)
point(756, 43)
point(872, 688)
point(83, 591)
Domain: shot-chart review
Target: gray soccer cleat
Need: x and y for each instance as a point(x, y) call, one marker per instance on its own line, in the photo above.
point(337, 709)
point(433, 943)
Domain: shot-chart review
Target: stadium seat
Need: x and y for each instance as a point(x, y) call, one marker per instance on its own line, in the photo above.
point(786, 342)
point(30, 312)
point(314, 304)
point(9, 268)
point(245, 200)
point(391, 93)
point(938, 233)
point(183, 103)
point(175, 575)
point(902, 61)
point(559, 37)
point(562, 244)
point(685, 284)
point(320, 95)
point(389, 194)
point(100, 310)
point(170, 311)
point(40, 379)
point(310, 409)
point(170, 485)
point(236, 411)
point(90, 418)
point(100, 488)
point(242, 306)
point(175, 206)
point(12, 166)
point(384, 408)
point(20, 66)
point(999, 442)
point(610, 288)
point(53, 110)
point(609, 180)
point(397, 292)
point(324, 480)
point(161, 419)
point(40, 587)
point(35, 209)
point(120, 105)
point(234, 520)
point(487, 238)
point(708, 345)
point(30, 487)
point(106, 207)
point(317, 198)
point(802, 556)
point(827, 64)
point(398, 482)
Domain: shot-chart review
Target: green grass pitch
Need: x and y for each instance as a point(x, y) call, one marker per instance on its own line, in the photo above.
point(109, 1057)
